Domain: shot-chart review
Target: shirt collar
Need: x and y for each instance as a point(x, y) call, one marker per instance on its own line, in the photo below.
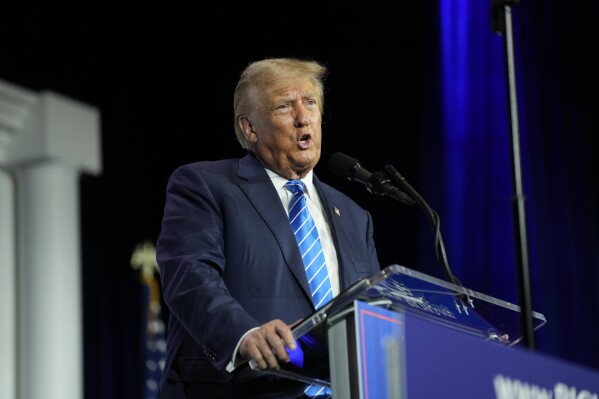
point(280, 181)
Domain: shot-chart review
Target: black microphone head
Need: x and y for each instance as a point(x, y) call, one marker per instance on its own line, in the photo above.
point(343, 165)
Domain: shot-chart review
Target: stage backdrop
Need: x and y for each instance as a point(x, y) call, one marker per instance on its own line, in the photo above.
point(419, 85)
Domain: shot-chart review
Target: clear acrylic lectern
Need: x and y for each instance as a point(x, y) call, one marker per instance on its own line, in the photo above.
point(401, 289)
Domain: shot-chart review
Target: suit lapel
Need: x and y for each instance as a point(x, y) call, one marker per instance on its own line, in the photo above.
point(335, 219)
point(261, 193)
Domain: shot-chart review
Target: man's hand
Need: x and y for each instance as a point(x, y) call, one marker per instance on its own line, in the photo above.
point(266, 345)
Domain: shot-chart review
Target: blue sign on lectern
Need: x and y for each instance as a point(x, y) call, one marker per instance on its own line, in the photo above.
point(437, 362)
point(381, 356)
point(404, 335)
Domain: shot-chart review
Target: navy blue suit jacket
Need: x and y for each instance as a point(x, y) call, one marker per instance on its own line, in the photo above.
point(229, 261)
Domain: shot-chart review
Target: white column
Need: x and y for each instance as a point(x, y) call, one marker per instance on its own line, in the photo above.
point(50, 303)
point(8, 291)
point(15, 105)
point(46, 141)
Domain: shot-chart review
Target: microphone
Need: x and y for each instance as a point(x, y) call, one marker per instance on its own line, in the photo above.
point(376, 183)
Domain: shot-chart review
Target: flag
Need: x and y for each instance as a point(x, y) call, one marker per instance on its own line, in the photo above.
point(144, 259)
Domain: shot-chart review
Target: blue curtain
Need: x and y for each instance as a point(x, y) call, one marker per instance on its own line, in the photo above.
point(557, 109)
point(476, 211)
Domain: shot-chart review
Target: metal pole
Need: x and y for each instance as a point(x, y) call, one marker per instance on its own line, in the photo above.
point(502, 19)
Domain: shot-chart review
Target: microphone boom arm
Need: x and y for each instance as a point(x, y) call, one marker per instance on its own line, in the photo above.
point(433, 218)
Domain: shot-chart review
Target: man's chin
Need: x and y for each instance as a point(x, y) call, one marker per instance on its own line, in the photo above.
point(307, 159)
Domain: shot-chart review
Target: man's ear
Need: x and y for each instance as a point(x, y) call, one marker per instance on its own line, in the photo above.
point(248, 129)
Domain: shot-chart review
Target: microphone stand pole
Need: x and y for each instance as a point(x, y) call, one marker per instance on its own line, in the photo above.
point(502, 25)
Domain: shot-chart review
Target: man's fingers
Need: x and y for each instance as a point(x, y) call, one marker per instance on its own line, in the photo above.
point(279, 350)
point(270, 359)
point(267, 345)
point(285, 333)
point(259, 351)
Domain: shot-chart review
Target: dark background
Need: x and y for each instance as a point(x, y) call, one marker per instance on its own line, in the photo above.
point(162, 78)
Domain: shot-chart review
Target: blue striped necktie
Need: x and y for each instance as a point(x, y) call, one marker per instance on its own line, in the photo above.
point(307, 237)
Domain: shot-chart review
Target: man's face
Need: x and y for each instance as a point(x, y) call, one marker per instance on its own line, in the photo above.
point(285, 128)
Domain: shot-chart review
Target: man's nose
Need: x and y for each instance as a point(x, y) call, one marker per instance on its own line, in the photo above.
point(302, 118)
